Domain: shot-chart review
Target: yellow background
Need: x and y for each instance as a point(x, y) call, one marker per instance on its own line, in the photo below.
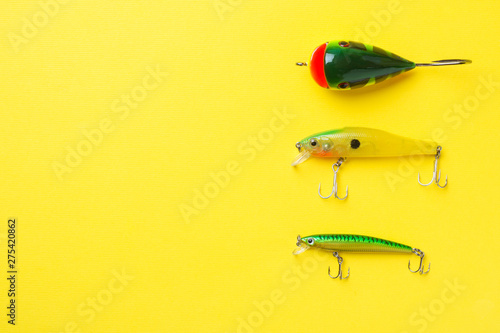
point(226, 264)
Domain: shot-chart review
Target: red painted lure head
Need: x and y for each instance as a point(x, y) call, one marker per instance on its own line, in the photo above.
point(317, 65)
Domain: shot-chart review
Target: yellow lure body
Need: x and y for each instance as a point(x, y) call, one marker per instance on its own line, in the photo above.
point(361, 142)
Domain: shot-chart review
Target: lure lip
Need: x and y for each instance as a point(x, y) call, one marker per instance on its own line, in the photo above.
point(301, 157)
point(302, 246)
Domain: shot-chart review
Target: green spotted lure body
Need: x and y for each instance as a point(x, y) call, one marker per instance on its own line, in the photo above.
point(355, 243)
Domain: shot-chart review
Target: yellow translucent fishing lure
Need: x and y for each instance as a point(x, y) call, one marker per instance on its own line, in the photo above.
point(364, 142)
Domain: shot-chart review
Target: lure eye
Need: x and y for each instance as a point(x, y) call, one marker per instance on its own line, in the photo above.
point(343, 85)
point(344, 44)
point(313, 142)
point(310, 241)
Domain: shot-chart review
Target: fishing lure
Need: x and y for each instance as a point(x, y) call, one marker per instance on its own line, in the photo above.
point(346, 65)
point(364, 142)
point(355, 243)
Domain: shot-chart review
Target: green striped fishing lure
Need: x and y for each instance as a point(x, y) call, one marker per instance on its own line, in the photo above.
point(355, 243)
point(346, 65)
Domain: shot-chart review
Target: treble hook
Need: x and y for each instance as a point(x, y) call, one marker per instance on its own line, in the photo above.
point(420, 267)
point(335, 169)
point(435, 176)
point(339, 274)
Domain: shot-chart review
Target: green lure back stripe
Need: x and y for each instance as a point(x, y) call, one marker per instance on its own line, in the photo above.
point(356, 243)
point(380, 51)
point(359, 84)
point(358, 45)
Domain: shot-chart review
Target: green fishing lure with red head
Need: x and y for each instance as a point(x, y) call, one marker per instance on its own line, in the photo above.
point(346, 65)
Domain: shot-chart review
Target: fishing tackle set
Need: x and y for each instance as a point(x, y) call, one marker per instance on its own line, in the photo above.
point(346, 65)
